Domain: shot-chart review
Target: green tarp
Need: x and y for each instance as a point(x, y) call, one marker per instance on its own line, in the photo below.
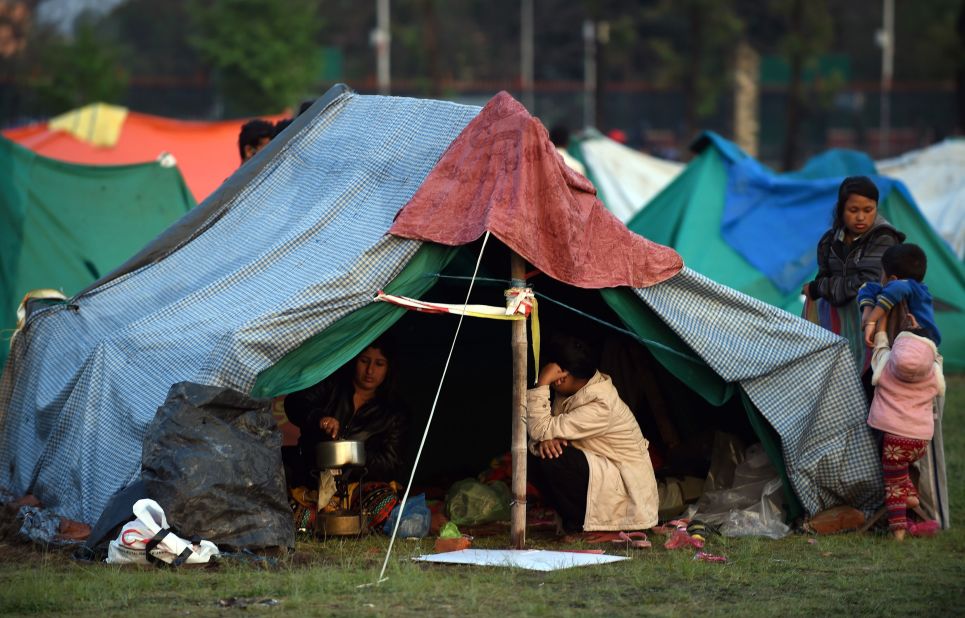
point(62, 226)
point(687, 216)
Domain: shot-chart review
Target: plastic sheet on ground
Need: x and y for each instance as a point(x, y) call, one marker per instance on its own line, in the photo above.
point(470, 503)
point(533, 560)
point(752, 505)
point(212, 461)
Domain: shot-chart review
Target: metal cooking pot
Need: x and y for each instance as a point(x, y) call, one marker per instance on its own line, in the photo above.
point(340, 523)
point(338, 453)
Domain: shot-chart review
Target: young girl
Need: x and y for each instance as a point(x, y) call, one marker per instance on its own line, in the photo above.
point(907, 378)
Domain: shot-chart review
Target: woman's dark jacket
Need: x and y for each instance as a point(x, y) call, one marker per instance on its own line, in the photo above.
point(843, 269)
point(381, 424)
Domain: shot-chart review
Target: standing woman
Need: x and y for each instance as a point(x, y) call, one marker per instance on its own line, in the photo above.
point(357, 403)
point(849, 255)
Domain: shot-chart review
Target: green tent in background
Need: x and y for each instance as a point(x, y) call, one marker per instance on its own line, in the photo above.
point(63, 226)
point(688, 215)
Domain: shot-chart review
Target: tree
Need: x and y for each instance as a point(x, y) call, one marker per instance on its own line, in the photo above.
point(263, 52)
point(415, 29)
point(711, 30)
point(75, 73)
point(435, 42)
point(960, 70)
point(153, 36)
point(808, 35)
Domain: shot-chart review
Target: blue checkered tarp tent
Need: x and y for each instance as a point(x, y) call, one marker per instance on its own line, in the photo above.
point(296, 241)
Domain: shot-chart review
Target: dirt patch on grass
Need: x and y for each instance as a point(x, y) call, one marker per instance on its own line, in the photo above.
point(25, 552)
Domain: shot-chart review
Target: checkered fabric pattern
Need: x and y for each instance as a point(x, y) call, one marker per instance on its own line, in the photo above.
point(301, 245)
point(800, 376)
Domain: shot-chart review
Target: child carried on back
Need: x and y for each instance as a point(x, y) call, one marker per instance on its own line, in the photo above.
point(903, 270)
point(907, 374)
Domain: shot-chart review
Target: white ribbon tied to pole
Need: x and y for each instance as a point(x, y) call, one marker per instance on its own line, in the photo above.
point(519, 305)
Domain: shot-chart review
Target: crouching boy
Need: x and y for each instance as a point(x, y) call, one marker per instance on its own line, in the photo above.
point(590, 459)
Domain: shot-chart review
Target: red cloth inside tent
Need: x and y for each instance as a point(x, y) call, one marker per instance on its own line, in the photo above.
point(503, 174)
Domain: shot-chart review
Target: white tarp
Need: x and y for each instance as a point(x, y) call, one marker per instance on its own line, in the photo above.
point(532, 559)
point(936, 178)
point(626, 179)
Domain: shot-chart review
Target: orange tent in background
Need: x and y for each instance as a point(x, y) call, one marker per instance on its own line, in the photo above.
point(99, 134)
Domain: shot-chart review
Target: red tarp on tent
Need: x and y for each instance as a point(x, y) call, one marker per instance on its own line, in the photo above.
point(503, 174)
point(205, 152)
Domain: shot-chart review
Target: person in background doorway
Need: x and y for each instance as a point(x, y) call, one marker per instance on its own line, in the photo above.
point(255, 135)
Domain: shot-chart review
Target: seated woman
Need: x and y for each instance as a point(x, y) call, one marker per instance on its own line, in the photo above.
point(590, 457)
point(357, 403)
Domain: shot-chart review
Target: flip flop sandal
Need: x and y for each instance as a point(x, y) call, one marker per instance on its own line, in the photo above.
point(602, 537)
point(670, 526)
point(637, 540)
point(928, 527)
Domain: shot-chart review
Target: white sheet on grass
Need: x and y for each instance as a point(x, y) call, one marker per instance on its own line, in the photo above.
point(532, 559)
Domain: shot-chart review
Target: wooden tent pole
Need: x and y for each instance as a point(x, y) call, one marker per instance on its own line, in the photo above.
point(518, 519)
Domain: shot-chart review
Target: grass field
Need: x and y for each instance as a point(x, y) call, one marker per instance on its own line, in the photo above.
point(848, 574)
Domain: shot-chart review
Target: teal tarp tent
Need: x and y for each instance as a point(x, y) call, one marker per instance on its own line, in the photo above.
point(689, 216)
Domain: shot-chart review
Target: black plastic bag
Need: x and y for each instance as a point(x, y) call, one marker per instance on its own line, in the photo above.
point(212, 459)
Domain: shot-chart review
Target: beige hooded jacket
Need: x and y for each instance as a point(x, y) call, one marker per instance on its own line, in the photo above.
point(622, 492)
